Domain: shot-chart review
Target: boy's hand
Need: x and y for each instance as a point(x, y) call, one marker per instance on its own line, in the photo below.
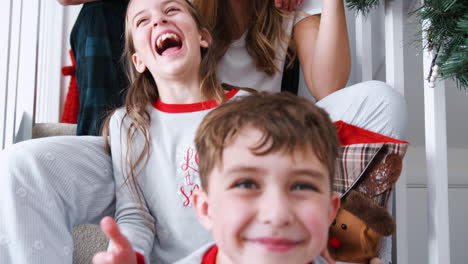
point(288, 5)
point(121, 252)
point(326, 256)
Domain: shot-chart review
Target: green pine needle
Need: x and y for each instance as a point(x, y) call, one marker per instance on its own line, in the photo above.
point(362, 6)
point(447, 33)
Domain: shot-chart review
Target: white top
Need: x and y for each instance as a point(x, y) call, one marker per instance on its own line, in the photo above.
point(166, 182)
point(197, 256)
point(238, 68)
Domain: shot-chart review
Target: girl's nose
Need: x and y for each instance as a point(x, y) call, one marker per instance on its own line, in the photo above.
point(159, 21)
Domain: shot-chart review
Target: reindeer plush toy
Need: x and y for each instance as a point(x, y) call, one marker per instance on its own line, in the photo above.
point(356, 232)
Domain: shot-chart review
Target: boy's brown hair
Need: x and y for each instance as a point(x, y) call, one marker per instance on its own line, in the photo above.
point(287, 122)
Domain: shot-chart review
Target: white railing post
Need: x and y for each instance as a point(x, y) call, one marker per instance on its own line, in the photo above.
point(27, 70)
point(436, 162)
point(21, 69)
point(364, 47)
point(5, 17)
point(13, 71)
point(395, 78)
point(50, 44)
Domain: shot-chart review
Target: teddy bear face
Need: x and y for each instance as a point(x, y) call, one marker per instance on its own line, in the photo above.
point(351, 240)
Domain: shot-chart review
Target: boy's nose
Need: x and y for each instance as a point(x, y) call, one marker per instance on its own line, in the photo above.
point(275, 210)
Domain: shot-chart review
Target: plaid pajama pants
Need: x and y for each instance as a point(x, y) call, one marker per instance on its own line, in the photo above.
point(97, 41)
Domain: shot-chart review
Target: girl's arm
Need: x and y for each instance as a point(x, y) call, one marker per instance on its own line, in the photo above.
point(132, 215)
point(323, 49)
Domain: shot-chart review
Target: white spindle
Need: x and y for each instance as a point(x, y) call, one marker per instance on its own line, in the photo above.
point(50, 62)
point(395, 78)
point(20, 70)
point(364, 48)
point(13, 70)
point(27, 62)
point(5, 16)
point(436, 159)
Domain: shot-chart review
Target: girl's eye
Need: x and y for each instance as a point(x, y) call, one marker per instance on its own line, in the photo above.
point(246, 184)
point(141, 20)
point(303, 187)
point(172, 9)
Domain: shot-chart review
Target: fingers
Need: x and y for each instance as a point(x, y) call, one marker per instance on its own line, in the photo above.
point(121, 251)
point(288, 5)
point(111, 230)
point(279, 3)
point(103, 258)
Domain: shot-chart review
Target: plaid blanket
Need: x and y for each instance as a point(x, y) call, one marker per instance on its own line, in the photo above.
point(372, 168)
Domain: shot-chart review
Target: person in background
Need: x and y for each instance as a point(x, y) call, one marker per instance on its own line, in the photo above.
point(97, 42)
point(252, 39)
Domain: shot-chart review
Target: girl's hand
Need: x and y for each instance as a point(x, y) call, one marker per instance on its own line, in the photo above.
point(121, 252)
point(288, 5)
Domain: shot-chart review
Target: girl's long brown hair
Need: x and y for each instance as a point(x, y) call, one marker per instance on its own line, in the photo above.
point(265, 31)
point(142, 90)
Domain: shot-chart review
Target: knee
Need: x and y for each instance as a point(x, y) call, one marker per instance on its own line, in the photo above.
point(381, 94)
point(11, 161)
point(14, 173)
point(380, 106)
point(19, 164)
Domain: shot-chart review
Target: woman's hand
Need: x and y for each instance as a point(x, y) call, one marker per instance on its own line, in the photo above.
point(288, 5)
point(74, 2)
point(121, 252)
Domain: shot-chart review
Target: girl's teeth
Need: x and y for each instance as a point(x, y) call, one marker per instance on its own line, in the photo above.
point(165, 36)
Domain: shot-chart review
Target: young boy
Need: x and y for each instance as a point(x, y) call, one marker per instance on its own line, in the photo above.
point(266, 163)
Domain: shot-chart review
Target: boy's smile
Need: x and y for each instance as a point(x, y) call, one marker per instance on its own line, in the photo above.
point(272, 208)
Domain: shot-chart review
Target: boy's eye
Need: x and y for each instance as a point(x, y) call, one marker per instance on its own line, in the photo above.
point(246, 184)
point(303, 187)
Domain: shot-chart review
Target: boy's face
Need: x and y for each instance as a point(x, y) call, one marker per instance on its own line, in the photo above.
point(274, 208)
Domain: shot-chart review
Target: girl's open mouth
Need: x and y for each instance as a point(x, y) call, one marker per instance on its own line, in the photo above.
point(168, 43)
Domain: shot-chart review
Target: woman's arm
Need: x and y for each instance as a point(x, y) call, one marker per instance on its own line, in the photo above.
point(75, 2)
point(323, 49)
